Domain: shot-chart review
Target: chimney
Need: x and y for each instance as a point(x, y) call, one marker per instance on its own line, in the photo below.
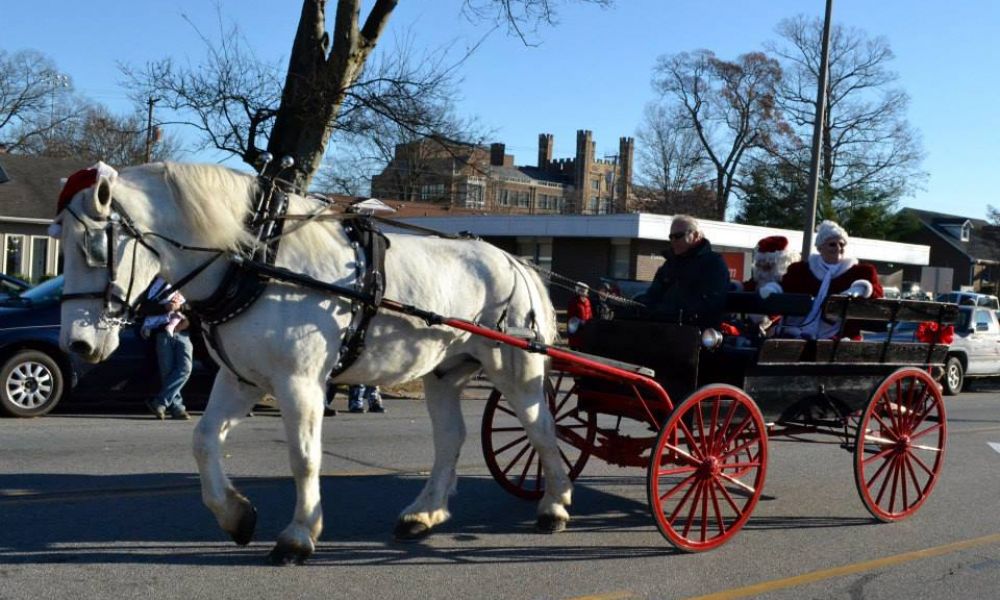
point(497, 151)
point(584, 160)
point(544, 150)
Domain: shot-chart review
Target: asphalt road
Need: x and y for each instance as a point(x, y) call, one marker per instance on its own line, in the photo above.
point(102, 503)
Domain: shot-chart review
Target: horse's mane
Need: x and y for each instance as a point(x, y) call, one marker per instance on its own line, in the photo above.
point(215, 202)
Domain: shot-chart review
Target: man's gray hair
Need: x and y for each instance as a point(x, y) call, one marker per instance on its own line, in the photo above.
point(689, 222)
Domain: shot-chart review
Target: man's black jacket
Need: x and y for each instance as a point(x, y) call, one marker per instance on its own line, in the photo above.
point(690, 287)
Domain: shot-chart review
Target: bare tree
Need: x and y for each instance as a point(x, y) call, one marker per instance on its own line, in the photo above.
point(671, 159)
point(35, 99)
point(328, 77)
point(728, 105)
point(868, 148)
point(100, 135)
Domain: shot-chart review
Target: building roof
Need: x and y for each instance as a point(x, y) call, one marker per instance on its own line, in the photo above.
point(984, 237)
point(657, 227)
point(30, 185)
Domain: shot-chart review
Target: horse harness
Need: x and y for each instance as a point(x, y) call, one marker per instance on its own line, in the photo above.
point(247, 275)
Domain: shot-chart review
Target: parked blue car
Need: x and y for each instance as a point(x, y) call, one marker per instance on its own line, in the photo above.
point(35, 375)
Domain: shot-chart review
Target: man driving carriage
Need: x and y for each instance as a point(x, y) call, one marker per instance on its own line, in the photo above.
point(691, 286)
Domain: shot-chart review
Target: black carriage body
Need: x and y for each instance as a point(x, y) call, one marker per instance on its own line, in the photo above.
point(806, 382)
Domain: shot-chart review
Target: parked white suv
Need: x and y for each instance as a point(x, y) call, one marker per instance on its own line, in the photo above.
point(975, 351)
point(970, 298)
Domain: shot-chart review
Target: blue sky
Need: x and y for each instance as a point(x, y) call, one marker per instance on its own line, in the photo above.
point(591, 71)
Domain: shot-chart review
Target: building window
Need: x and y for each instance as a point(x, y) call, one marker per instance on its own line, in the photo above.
point(14, 263)
point(621, 259)
point(966, 232)
point(522, 198)
point(503, 198)
point(432, 191)
point(39, 258)
point(474, 195)
point(537, 250)
point(595, 184)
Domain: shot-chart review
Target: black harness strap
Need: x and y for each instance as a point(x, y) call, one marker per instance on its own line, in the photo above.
point(370, 245)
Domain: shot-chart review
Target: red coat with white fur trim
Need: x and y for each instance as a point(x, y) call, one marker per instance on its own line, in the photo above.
point(801, 280)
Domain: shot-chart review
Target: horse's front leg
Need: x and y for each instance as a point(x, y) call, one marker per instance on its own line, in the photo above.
point(301, 402)
point(230, 401)
point(430, 508)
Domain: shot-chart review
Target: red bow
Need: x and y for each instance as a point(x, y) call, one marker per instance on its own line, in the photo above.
point(76, 182)
point(929, 332)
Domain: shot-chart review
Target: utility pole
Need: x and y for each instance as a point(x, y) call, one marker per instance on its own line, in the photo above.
point(810, 224)
point(149, 127)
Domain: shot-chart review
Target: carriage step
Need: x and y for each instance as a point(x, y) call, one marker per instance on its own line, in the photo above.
point(624, 366)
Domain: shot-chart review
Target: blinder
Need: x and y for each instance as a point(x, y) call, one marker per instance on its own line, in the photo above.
point(99, 245)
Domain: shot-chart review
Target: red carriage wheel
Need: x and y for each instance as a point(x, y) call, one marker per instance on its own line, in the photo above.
point(706, 472)
point(510, 457)
point(899, 450)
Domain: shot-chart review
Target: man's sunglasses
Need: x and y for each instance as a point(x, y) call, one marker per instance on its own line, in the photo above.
point(679, 235)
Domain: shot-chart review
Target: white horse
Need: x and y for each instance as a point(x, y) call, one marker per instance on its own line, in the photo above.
point(287, 342)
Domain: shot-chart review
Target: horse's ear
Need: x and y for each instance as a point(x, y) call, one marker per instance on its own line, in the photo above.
point(98, 203)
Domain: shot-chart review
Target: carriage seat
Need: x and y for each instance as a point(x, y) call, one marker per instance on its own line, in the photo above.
point(751, 303)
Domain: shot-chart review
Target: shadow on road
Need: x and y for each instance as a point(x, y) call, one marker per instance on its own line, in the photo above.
point(159, 519)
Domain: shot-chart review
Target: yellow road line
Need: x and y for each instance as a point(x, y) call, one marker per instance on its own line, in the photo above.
point(620, 595)
point(814, 576)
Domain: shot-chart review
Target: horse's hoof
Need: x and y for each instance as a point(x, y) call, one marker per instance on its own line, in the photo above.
point(284, 554)
point(410, 531)
point(246, 525)
point(550, 524)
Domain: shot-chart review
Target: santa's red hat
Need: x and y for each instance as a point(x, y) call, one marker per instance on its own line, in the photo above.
point(774, 250)
point(774, 243)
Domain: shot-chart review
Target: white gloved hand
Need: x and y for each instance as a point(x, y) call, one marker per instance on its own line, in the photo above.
point(771, 287)
point(861, 288)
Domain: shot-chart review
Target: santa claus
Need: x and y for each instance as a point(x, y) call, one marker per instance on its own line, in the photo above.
point(829, 272)
point(771, 259)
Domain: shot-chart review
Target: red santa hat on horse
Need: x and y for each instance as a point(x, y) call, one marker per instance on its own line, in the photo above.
point(76, 183)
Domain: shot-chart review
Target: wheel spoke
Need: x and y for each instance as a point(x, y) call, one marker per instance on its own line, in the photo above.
point(516, 459)
point(691, 443)
point(506, 447)
point(684, 482)
point(885, 463)
point(527, 467)
point(684, 498)
point(738, 483)
point(694, 507)
point(715, 506)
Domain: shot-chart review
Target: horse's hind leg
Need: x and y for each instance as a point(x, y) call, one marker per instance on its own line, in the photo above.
point(430, 508)
point(301, 402)
point(524, 388)
point(229, 401)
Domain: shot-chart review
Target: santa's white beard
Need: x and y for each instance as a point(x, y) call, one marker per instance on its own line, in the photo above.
point(762, 277)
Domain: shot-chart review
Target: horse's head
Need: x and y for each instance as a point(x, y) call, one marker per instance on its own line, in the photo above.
point(107, 264)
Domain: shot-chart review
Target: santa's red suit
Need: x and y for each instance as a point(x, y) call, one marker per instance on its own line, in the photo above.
point(580, 309)
point(806, 277)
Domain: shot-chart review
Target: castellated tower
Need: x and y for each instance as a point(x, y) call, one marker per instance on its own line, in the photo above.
point(584, 160)
point(626, 158)
point(545, 143)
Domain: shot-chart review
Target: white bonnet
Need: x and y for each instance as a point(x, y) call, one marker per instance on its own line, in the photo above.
point(827, 230)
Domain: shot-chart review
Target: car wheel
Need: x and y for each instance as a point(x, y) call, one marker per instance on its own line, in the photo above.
point(954, 376)
point(31, 384)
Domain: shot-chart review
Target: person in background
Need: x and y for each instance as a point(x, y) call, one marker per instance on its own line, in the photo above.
point(578, 312)
point(166, 324)
point(357, 395)
point(604, 310)
point(691, 286)
point(821, 275)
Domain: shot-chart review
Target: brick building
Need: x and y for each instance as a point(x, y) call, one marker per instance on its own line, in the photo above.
point(485, 178)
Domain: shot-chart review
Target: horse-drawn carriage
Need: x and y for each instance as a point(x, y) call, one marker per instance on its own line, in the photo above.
point(339, 300)
point(709, 408)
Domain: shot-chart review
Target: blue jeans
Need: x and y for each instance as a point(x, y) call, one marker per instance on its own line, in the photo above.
point(173, 354)
point(358, 394)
